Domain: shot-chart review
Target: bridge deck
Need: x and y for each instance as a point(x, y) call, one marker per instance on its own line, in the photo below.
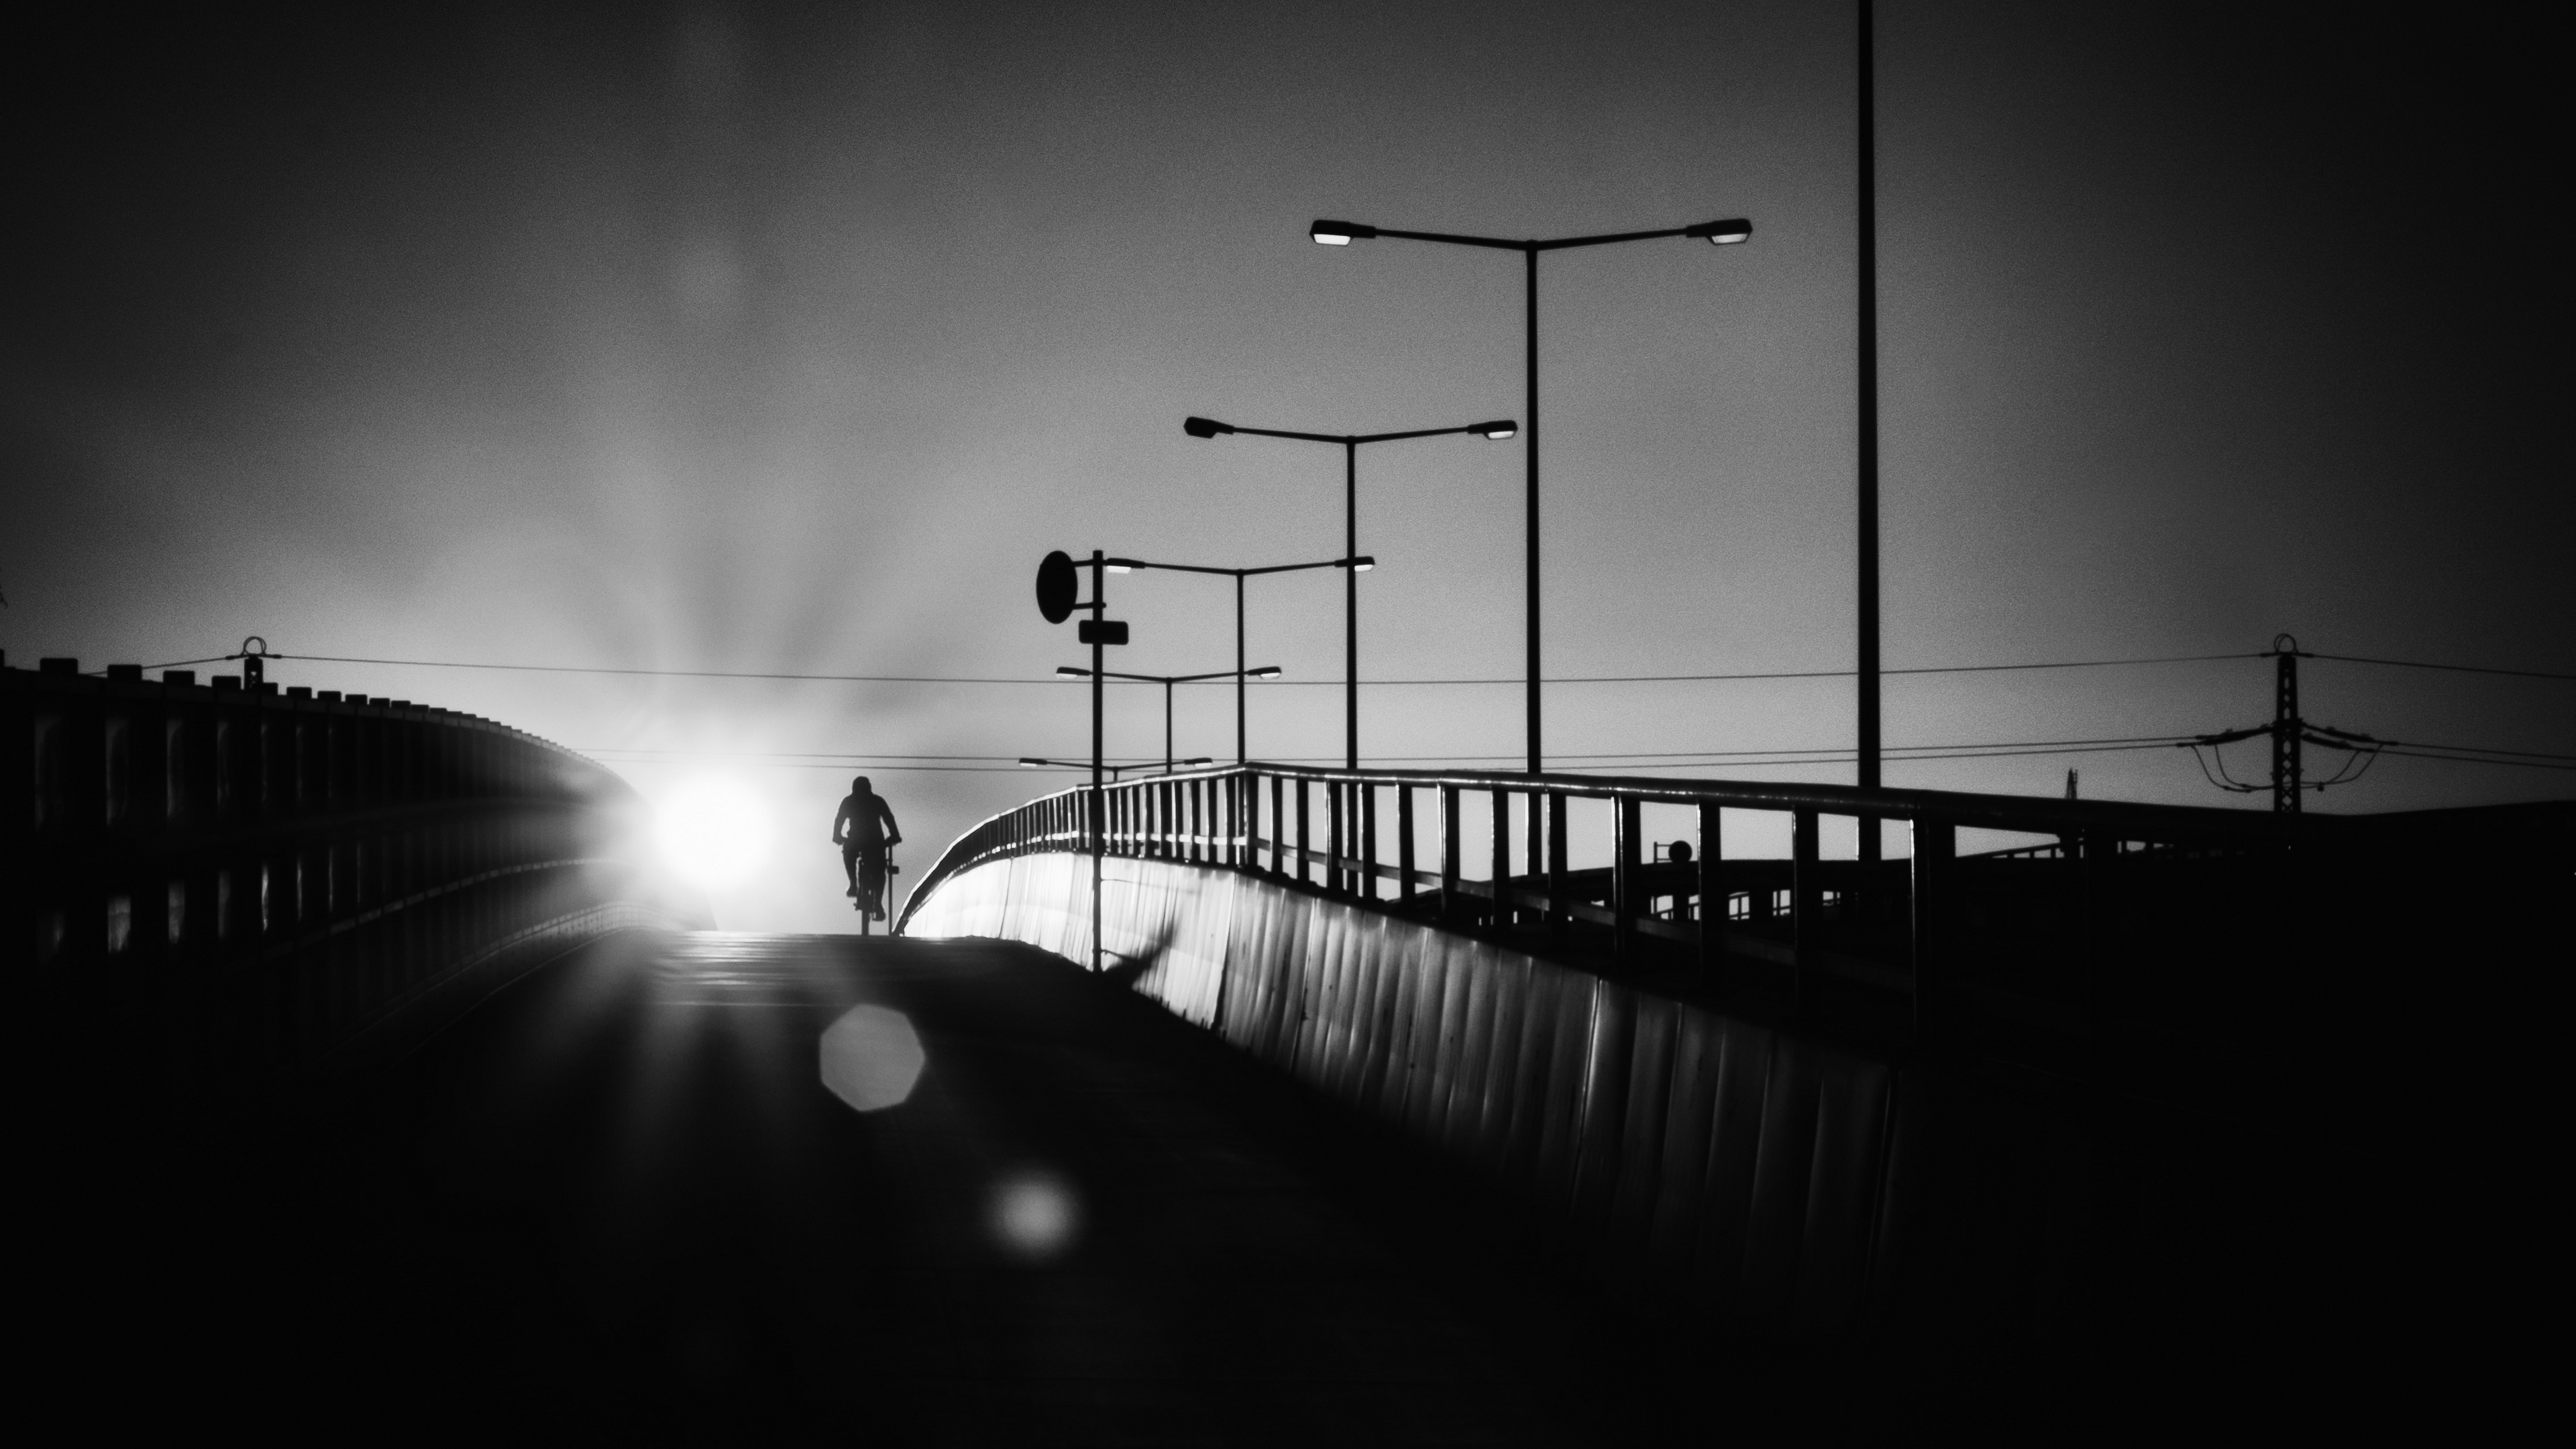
point(620, 1191)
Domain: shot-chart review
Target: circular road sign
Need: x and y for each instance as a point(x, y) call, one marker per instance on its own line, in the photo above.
point(1057, 587)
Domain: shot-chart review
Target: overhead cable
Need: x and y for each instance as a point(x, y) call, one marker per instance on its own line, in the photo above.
point(1274, 683)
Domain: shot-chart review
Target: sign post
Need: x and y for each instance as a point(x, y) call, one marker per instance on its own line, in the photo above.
point(1059, 588)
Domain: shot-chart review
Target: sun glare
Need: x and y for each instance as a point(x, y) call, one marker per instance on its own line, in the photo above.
point(713, 831)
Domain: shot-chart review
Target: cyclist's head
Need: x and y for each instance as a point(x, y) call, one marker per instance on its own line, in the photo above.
point(859, 786)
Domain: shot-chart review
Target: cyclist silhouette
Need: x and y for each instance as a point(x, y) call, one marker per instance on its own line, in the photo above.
point(865, 830)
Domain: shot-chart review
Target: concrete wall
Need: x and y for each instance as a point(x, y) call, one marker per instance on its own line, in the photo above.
point(1750, 1165)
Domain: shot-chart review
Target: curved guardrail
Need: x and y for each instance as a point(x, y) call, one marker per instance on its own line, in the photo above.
point(2120, 932)
point(208, 886)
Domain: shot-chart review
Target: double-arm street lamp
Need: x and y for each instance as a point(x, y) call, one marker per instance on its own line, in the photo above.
point(1496, 430)
point(1266, 671)
point(1343, 233)
point(1356, 563)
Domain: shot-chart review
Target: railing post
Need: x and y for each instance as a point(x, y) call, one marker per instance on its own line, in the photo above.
point(1279, 825)
point(2095, 951)
point(1936, 852)
point(1305, 840)
point(1502, 833)
point(1334, 844)
point(1404, 891)
point(1713, 895)
point(1560, 883)
point(1450, 906)
point(1623, 877)
point(1368, 840)
point(1806, 900)
point(148, 806)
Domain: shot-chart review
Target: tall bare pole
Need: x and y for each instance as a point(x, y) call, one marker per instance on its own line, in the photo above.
point(1867, 665)
point(1530, 554)
point(1240, 756)
point(1350, 605)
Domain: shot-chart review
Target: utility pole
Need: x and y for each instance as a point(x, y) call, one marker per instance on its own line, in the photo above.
point(2289, 733)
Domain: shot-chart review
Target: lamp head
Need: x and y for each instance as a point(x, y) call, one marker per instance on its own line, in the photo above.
point(1497, 430)
point(1267, 671)
point(1721, 233)
point(1070, 672)
point(1116, 566)
point(1204, 427)
point(1340, 233)
point(1030, 762)
point(1363, 563)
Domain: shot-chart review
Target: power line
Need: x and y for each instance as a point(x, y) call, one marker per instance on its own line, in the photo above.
point(2546, 762)
point(1830, 750)
point(1740, 676)
point(1826, 753)
point(1641, 759)
point(1606, 760)
point(1314, 683)
point(2453, 668)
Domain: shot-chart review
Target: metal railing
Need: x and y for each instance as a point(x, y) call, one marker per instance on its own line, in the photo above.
point(2122, 911)
point(233, 875)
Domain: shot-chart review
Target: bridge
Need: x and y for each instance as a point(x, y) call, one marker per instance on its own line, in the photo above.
point(365, 1064)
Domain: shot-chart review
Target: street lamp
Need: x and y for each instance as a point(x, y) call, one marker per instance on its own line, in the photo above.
point(1361, 563)
point(1495, 431)
point(1266, 671)
point(1720, 233)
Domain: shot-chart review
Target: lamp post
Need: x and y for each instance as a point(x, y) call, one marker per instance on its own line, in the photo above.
point(1494, 431)
point(1266, 671)
point(1866, 666)
point(1357, 563)
point(1343, 233)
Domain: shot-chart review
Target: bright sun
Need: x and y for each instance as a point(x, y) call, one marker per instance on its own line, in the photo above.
point(713, 831)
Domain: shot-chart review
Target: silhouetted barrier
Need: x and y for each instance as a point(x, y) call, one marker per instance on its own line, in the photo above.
point(2123, 1083)
point(208, 893)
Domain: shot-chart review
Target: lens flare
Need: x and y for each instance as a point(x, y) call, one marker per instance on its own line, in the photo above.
point(713, 831)
point(1035, 1214)
point(872, 1058)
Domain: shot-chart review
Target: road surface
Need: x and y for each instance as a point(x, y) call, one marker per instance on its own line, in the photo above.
point(622, 1194)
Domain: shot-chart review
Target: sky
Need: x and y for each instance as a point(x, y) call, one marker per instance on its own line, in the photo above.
point(789, 338)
